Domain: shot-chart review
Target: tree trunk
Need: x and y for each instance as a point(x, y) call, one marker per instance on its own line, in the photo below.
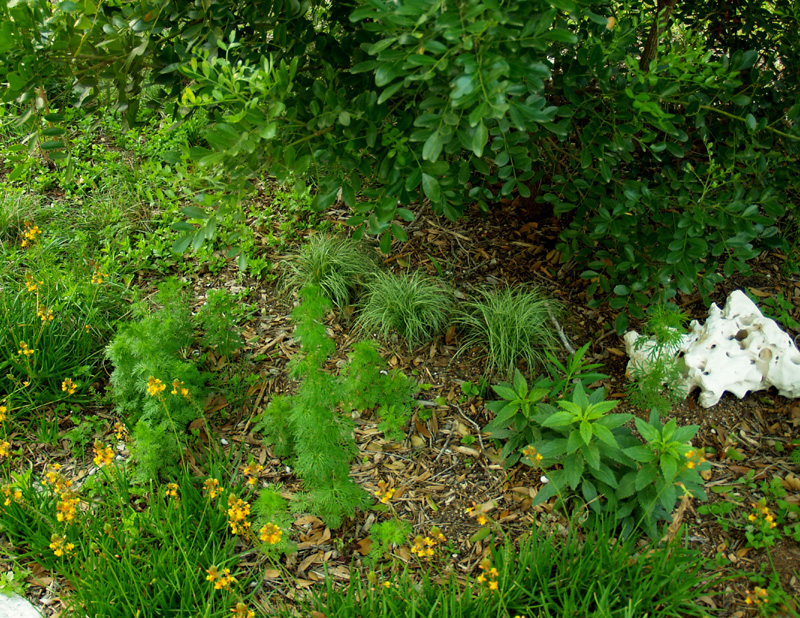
point(663, 11)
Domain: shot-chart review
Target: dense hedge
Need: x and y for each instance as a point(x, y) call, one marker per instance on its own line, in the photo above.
point(669, 174)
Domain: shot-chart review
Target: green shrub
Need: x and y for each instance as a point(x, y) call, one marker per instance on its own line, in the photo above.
point(412, 305)
point(336, 265)
point(156, 392)
point(586, 451)
point(510, 325)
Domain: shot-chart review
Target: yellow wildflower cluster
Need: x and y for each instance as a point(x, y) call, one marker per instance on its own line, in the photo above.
point(4, 448)
point(757, 597)
point(178, 387)
point(480, 515)
point(270, 534)
point(221, 581)
point(54, 477)
point(251, 472)
point(384, 493)
point(31, 233)
point(694, 458)
point(32, 284)
point(172, 491)
point(3, 411)
point(242, 611)
point(762, 512)
point(68, 386)
point(424, 547)
point(103, 455)
point(213, 488)
point(24, 350)
point(10, 496)
point(120, 432)
point(67, 506)
point(238, 511)
point(155, 386)
point(531, 454)
point(99, 276)
point(46, 315)
point(58, 546)
point(488, 575)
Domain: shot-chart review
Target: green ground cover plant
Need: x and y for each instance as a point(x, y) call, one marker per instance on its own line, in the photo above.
point(410, 305)
point(544, 574)
point(510, 325)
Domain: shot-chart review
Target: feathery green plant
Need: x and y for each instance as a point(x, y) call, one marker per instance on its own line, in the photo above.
point(511, 325)
point(336, 265)
point(313, 424)
point(146, 357)
point(412, 305)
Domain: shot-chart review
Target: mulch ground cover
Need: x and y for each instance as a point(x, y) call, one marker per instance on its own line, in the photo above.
point(445, 465)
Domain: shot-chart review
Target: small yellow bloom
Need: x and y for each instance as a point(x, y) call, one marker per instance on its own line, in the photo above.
point(213, 573)
point(251, 472)
point(241, 611)
point(270, 534)
point(213, 488)
point(482, 520)
point(120, 432)
point(3, 411)
point(226, 581)
point(103, 455)
point(155, 386)
point(58, 546)
point(492, 585)
point(68, 386)
point(384, 493)
point(4, 448)
point(172, 490)
point(24, 350)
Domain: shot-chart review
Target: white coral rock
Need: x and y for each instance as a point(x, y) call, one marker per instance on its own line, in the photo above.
point(736, 350)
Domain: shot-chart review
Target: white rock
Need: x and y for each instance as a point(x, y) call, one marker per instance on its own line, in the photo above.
point(736, 350)
point(17, 607)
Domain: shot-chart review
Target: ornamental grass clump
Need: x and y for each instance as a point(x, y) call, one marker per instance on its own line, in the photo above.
point(335, 265)
point(511, 325)
point(412, 305)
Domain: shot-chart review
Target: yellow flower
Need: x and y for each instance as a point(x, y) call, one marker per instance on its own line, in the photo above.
point(3, 411)
point(213, 488)
point(31, 284)
point(58, 546)
point(270, 534)
point(155, 386)
point(103, 455)
point(241, 611)
point(46, 315)
point(68, 386)
point(384, 493)
point(238, 511)
point(4, 446)
point(24, 350)
point(213, 573)
point(251, 471)
point(172, 490)
point(66, 507)
point(482, 520)
point(98, 276)
point(119, 431)
point(226, 581)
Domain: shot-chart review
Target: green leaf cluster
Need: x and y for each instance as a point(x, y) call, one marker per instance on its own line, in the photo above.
point(590, 453)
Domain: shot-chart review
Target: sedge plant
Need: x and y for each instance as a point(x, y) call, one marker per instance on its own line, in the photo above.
point(336, 265)
point(412, 305)
point(511, 325)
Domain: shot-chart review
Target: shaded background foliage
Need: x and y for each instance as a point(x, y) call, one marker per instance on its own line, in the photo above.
point(667, 174)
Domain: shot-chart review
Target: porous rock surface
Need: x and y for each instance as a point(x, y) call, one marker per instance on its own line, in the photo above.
point(738, 350)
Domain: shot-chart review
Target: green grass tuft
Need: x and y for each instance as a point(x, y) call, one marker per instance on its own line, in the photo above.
point(511, 325)
point(336, 265)
point(412, 305)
